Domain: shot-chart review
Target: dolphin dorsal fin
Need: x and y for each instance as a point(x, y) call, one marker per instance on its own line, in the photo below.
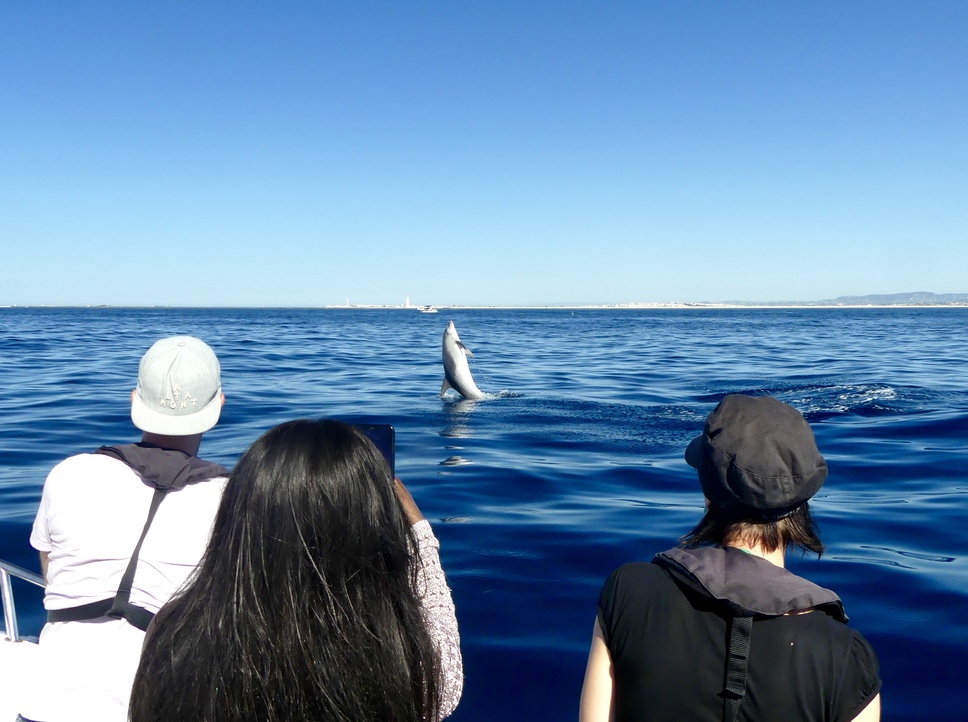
point(467, 351)
point(444, 386)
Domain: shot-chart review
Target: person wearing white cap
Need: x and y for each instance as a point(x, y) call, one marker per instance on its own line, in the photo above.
point(717, 628)
point(119, 531)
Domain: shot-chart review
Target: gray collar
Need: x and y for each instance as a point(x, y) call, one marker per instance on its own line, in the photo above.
point(164, 468)
point(747, 583)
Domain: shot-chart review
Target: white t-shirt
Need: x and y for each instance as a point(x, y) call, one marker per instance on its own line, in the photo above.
point(91, 515)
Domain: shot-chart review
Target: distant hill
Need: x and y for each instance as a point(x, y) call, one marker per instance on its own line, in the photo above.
point(917, 298)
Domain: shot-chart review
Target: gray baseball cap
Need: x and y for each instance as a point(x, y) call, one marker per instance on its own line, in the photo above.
point(179, 389)
point(757, 458)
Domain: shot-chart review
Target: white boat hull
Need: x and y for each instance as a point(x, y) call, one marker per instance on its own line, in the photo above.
point(16, 663)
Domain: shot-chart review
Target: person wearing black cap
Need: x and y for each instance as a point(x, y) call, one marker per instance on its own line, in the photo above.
point(717, 628)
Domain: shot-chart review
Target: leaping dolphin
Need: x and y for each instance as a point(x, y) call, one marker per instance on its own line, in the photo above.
point(457, 374)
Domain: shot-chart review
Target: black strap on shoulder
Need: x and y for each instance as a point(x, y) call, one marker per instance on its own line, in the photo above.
point(120, 606)
point(173, 473)
point(737, 659)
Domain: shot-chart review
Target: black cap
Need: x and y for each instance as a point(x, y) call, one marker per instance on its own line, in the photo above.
point(757, 458)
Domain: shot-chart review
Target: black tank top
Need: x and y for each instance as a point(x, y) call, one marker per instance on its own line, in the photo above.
point(668, 645)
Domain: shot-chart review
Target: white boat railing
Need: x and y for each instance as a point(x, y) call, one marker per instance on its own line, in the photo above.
point(8, 570)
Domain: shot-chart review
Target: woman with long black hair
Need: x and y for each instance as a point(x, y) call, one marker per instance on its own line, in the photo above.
point(320, 597)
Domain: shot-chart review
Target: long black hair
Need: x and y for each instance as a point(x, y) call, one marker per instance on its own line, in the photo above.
point(304, 606)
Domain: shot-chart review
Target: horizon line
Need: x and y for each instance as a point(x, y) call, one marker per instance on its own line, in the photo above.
point(510, 307)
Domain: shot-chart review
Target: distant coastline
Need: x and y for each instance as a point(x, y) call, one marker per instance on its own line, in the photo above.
point(919, 299)
point(916, 299)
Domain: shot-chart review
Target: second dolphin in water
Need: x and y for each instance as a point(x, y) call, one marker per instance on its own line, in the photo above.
point(457, 374)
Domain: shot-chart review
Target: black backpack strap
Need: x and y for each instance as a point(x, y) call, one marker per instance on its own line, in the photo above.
point(120, 606)
point(164, 470)
point(737, 659)
point(84, 612)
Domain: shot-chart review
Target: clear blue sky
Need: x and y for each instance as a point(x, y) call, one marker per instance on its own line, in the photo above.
point(456, 152)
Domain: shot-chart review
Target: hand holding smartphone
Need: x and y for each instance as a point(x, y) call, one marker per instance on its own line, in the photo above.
point(383, 437)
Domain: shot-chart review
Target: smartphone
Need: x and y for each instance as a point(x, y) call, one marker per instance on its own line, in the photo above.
point(383, 437)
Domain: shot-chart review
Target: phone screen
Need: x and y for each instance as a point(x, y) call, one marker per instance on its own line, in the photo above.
point(383, 437)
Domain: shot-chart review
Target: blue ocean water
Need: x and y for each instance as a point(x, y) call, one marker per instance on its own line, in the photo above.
point(573, 464)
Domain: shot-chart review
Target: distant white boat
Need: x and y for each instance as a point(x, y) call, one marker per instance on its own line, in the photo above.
point(426, 309)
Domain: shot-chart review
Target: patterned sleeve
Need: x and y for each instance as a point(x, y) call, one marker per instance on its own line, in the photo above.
point(438, 606)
